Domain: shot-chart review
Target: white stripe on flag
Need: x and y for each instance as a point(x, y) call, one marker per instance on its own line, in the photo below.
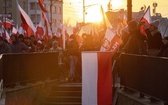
point(89, 83)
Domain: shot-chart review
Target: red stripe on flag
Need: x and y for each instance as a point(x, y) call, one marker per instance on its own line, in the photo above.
point(104, 78)
point(44, 11)
point(27, 23)
point(146, 20)
point(40, 31)
point(26, 27)
point(41, 6)
point(8, 25)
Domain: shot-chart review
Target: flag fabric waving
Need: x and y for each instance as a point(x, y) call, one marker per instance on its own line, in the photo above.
point(111, 41)
point(96, 78)
point(146, 20)
point(40, 29)
point(45, 12)
point(147, 16)
point(45, 16)
point(27, 24)
point(14, 30)
point(8, 23)
point(4, 34)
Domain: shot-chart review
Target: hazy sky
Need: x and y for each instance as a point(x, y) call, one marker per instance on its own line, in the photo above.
point(73, 9)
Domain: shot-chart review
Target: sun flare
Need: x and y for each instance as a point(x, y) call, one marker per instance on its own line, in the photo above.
point(117, 4)
point(93, 14)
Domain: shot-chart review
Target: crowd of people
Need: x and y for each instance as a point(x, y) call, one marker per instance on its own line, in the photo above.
point(146, 42)
point(19, 43)
point(134, 42)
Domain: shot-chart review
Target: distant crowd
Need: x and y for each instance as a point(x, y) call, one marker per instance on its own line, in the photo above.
point(135, 40)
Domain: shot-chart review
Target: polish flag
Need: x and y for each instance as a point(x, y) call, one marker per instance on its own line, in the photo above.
point(96, 78)
point(8, 23)
point(4, 34)
point(111, 41)
point(7, 37)
point(27, 24)
point(14, 30)
point(45, 12)
point(40, 29)
point(146, 20)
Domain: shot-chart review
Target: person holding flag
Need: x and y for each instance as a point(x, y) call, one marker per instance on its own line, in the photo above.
point(136, 41)
point(154, 40)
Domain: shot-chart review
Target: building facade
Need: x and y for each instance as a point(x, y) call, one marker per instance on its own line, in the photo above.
point(9, 9)
point(54, 7)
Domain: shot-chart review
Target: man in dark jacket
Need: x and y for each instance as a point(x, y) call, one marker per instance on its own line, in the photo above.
point(136, 41)
point(154, 39)
point(4, 47)
point(18, 47)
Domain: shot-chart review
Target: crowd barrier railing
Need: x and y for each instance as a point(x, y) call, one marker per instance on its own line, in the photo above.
point(146, 74)
point(16, 68)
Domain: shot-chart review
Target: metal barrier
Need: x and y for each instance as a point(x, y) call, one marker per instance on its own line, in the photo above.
point(16, 68)
point(148, 75)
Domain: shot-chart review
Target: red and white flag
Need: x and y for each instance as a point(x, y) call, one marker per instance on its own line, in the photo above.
point(45, 12)
point(40, 29)
point(14, 30)
point(96, 78)
point(8, 23)
point(27, 24)
point(111, 41)
point(21, 30)
point(7, 37)
point(147, 20)
point(4, 34)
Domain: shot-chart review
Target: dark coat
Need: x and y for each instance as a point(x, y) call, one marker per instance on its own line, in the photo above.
point(19, 47)
point(5, 48)
point(73, 48)
point(136, 43)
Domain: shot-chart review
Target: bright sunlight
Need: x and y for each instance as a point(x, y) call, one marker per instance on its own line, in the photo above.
point(93, 14)
point(117, 4)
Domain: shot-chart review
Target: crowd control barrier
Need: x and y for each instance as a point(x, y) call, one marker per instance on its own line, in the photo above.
point(28, 67)
point(146, 74)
